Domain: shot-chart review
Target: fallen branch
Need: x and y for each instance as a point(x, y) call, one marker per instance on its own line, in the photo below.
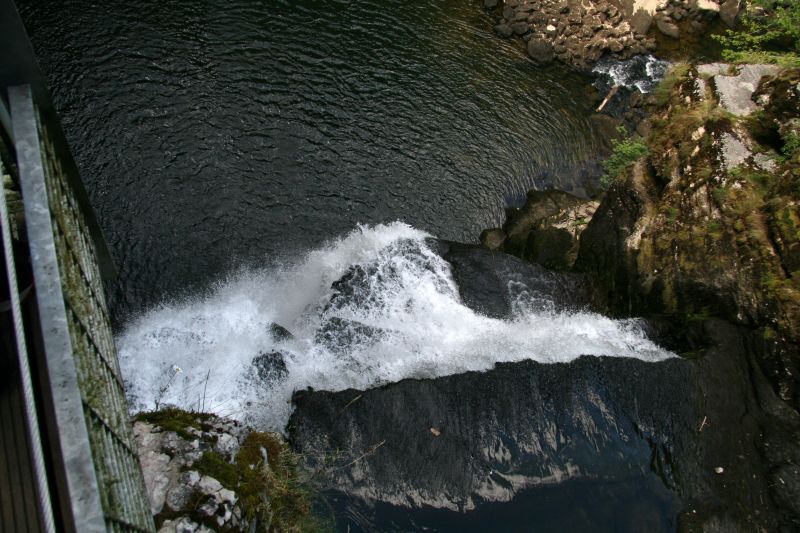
point(608, 97)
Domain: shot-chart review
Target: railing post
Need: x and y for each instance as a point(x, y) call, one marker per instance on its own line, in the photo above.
point(73, 438)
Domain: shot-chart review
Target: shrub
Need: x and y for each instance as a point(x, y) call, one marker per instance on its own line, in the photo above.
point(624, 154)
point(769, 32)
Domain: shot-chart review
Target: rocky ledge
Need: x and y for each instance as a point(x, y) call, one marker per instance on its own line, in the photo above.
point(707, 224)
point(205, 473)
point(579, 33)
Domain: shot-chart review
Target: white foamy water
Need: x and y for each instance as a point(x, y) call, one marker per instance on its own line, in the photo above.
point(641, 72)
point(400, 317)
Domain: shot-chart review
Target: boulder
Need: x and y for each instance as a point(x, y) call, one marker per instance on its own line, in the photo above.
point(729, 11)
point(641, 442)
point(641, 21)
point(735, 92)
point(492, 238)
point(520, 28)
point(503, 30)
point(540, 50)
point(670, 29)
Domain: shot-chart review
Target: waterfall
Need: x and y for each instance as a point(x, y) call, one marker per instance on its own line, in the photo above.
point(374, 307)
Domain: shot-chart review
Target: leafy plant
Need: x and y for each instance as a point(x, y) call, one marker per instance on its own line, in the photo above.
point(791, 145)
point(769, 32)
point(624, 154)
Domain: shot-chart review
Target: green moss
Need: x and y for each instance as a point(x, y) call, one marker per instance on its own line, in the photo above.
point(270, 486)
point(672, 214)
point(265, 474)
point(177, 420)
point(213, 464)
point(769, 32)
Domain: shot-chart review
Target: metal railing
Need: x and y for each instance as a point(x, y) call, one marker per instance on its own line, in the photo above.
point(81, 452)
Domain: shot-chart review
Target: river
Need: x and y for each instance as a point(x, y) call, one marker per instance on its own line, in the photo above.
point(288, 163)
point(215, 135)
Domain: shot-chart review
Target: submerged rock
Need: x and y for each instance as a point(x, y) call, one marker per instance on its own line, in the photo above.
point(540, 50)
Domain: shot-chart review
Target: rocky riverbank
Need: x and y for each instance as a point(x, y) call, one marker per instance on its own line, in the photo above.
point(579, 33)
point(706, 225)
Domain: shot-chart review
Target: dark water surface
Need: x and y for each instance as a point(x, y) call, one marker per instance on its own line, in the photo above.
point(218, 134)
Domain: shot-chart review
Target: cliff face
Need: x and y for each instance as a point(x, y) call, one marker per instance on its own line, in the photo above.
point(708, 224)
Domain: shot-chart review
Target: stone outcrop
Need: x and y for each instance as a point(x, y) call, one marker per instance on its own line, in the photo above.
point(545, 230)
point(703, 438)
point(580, 33)
point(204, 473)
point(707, 225)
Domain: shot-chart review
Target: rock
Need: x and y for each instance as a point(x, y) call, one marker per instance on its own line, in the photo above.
point(636, 98)
point(492, 238)
point(520, 28)
point(601, 421)
point(209, 486)
point(547, 228)
point(707, 5)
point(279, 333)
point(641, 21)
point(180, 493)
point(667, 28)
point(269, 367)
point(713, 69)
point(159, 473)
point(227, 445)
point(729, 11)
point(503, 30)
point(489, 4)
point(541, 51)
point(170, 466)
point(733, 150)
point(520, 16)
point(489, 281)
point(735, 92)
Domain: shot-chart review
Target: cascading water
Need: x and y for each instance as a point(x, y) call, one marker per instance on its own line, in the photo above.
point(374, 307)
point(638, 72)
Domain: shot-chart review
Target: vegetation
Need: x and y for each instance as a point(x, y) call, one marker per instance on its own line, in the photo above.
point(177, 420)
point(769, 32)
point(265, 474)
point(625, 153)
point(673, 76)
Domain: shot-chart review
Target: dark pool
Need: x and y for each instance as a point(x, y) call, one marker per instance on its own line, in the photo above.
point(215, 134)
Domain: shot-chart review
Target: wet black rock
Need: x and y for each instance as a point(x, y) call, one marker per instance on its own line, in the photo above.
point(270, 367)
point(540, 50)
point(503, 30)
point(340, 335)
point(710, 430)
point(279, 333)
point(490, 282)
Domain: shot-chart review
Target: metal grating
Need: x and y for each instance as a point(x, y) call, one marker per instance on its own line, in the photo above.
point(82, 362)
